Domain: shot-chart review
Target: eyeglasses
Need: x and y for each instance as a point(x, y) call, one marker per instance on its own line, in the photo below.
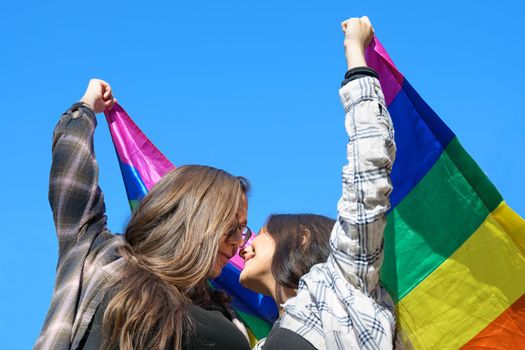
point(245, 231)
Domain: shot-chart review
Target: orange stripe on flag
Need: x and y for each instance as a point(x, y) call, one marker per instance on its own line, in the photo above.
point(507, 331)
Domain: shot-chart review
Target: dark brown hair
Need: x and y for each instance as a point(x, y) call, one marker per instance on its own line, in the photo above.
point(171, 245)
point(301, 241)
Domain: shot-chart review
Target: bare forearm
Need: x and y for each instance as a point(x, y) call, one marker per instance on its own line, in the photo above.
point(355, 56)
point(358, 34)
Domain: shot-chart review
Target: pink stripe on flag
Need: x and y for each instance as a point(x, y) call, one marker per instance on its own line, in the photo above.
point(237, 261)
point(135, 149)
point(391, 78)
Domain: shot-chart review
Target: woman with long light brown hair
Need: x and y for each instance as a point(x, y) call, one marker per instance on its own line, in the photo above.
point(147, 288)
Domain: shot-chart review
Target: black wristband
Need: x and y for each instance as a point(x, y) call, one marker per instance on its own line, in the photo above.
point(359, 72)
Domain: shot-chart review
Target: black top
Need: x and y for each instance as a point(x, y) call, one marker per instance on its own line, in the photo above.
point(282, 338)
point(212, 329)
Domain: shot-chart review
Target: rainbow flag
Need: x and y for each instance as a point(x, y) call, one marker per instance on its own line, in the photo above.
point(454, 250)
point(142, 165)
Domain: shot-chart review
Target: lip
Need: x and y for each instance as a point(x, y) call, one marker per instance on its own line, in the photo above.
point(227, 257)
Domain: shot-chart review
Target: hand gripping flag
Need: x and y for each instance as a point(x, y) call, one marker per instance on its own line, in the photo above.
point(142, 165)
point(454, 250)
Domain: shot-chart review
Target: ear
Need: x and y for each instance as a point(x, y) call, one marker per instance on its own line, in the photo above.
point(305, 238)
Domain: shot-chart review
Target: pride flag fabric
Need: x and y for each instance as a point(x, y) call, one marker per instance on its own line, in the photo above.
point(454, 250)
point(142, 165)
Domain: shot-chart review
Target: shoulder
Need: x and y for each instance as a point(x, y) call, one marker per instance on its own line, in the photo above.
point(103, 260)
point(327, 309)
point(104, 247)
point(211, 329)
point(282, 338)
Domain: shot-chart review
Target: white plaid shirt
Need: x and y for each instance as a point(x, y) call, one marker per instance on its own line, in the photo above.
point(340, 304)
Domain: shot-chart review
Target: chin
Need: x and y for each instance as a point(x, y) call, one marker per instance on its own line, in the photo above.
point(242, 279)
point(249, 282)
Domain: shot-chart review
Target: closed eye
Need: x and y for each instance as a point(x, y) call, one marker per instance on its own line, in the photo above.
point(232, 231)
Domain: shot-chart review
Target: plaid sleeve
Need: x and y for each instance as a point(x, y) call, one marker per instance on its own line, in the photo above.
point(328, 311)
point(74, 195)
point(357, 239)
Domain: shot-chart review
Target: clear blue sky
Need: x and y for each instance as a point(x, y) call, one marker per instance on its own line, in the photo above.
point(247, 86)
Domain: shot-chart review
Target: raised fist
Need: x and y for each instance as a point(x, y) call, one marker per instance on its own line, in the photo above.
point(358, 31)
point(98, 96)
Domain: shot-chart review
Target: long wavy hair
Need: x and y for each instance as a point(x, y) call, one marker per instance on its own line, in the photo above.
point(171, 245)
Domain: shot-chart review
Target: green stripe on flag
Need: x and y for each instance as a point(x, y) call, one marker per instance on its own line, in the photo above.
point(434, 220)
point(134, 204)
point(473, 173)
point(259, 327)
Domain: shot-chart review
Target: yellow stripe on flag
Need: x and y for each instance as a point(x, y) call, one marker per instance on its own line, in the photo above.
point(512, 223)
point(470, 289)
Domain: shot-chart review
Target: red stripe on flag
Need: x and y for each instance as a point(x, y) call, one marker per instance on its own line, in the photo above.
point(507, 331)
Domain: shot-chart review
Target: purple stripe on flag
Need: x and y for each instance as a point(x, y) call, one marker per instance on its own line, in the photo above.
point(135, 149)
point(391, 79)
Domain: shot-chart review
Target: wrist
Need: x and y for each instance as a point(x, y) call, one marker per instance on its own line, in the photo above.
point(87, 102)
point(354, 45)
point(87, 105)
point(355, 56)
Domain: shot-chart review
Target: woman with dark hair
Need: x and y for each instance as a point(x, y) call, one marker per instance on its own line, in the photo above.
point(337, 303)
point(147, 288)
point(287, 247)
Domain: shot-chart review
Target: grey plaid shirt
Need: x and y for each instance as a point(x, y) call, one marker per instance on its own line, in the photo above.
point(86, 250)
point(340, 304)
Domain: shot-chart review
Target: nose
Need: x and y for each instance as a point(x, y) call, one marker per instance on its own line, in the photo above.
point(237, 240)
point(244, 251)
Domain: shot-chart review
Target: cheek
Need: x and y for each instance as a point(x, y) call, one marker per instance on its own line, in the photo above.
point(223, 246)
point(261, 263)
point(219, 263)
point(257, 273)
point(226, 246)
